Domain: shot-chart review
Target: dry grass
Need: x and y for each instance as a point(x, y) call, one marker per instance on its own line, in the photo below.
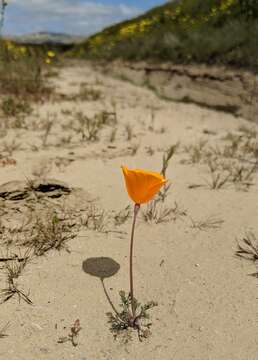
point(95, 219)
point(90, 128)
point(167, 156)
point(218, 177)
point(248, 246)
point(122, 216)
point(14, 107)
point(195, 152)
point(150, 151)
point(87, 93)
point(231, 171)
point(240, 147)
point(42, 169)
point(49, 232)
point(8, 147)
point(128, 132)
point(46, 127)
point(12, 270)
point(3, 333)
point(156, 211)
point(211, 222)
point(242, 175)
point(134, 148)
point(235, 161)
point(112, 135)
point(21, 74)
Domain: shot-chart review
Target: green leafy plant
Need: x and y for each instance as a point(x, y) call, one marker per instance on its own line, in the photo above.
point(121, 321)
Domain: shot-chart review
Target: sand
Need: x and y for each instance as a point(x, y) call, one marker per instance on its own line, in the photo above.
point(207, 302)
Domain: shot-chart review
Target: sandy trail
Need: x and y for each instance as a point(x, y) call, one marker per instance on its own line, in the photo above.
point(207, 302)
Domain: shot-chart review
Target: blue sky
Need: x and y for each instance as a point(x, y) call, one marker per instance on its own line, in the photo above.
point(80, 17)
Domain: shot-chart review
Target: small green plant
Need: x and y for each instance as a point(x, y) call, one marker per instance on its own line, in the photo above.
point(123, 320)
point(73, 336)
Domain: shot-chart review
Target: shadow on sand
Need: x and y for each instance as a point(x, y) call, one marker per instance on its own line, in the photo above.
point(102, 267)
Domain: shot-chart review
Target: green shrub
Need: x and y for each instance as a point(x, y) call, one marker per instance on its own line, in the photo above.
point(20, 70)
point(14, 107)
point(186, 31)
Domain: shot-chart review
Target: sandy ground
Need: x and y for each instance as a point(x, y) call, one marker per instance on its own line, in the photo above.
point(207, 302)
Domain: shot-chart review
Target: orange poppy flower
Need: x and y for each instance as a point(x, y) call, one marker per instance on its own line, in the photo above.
point(142, 185)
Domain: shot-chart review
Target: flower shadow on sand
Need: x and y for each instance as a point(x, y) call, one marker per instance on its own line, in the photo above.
point(102, 267)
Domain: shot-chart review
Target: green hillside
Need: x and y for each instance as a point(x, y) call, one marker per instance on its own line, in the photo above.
point(186, 31)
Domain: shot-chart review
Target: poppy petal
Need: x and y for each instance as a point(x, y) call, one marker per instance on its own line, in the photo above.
point(142, 185)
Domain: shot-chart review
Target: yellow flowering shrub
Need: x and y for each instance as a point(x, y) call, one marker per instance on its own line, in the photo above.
point(185, 31)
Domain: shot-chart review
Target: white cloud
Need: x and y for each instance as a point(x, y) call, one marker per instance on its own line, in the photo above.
point(64, 15)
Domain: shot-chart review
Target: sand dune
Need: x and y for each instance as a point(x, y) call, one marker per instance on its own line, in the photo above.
point(207, 302)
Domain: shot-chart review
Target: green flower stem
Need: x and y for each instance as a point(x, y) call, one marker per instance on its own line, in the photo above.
point(136, 210)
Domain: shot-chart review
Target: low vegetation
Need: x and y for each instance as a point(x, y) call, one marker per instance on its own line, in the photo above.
point(120, 321)
point(21, 71)
point(234, 161)
point(181, 31)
